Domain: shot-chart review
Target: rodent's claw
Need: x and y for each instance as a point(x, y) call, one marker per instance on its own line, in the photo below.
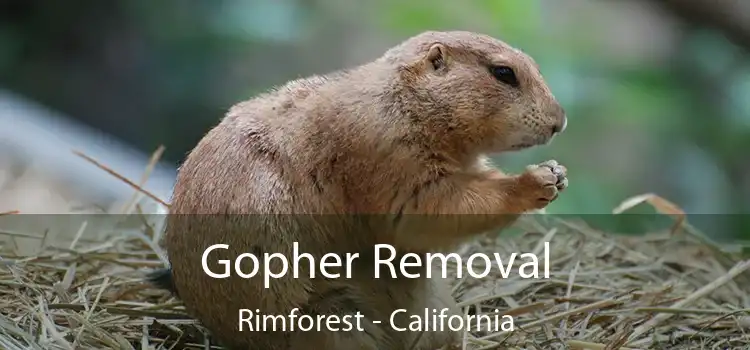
point(550, 163)
point(543, 182)
point(560, 171)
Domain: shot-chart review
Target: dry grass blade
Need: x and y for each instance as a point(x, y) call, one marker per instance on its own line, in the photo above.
point(697, 295)
point(660, 204)
point(122, 178)
point(149, 168)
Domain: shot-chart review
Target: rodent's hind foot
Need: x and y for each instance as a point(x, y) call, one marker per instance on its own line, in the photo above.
point(162, 279)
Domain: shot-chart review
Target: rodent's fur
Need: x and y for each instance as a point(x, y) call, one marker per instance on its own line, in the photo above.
point(405, 134)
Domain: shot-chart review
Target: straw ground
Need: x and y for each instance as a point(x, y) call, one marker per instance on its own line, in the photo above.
point(663, 290)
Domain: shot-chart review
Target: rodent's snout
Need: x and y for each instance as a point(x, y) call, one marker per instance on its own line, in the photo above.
point(561, 120)
point(560, 126)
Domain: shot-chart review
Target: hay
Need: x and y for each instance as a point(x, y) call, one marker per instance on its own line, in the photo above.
point(658, 291)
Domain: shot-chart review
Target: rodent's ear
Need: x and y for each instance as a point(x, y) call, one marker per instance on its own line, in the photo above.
point(436, 56)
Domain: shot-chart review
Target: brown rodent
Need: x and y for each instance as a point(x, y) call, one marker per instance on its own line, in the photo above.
point(405, 135)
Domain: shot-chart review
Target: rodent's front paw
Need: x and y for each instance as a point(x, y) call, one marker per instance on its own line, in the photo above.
point(542, 183)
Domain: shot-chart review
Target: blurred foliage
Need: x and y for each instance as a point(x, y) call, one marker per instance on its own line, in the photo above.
point(155, 72)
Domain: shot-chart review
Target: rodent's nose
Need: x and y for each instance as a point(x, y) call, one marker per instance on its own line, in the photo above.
point(562, 119)
point(560, 127)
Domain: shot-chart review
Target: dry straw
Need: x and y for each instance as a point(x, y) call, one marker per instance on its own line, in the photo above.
point(662, 290)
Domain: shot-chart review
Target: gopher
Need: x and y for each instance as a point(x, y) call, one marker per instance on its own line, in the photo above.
point(394, 151)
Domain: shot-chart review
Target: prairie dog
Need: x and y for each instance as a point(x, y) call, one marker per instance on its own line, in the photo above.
point(364, 156)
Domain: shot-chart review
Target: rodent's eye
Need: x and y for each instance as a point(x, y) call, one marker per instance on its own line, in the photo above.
point(505, 74)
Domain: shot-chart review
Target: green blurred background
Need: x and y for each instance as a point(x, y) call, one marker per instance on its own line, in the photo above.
point(657, 92)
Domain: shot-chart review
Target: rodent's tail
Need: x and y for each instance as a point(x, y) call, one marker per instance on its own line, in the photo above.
point(162, 278)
